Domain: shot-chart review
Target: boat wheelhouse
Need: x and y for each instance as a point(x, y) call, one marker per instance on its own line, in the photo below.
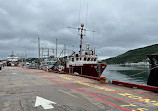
point(82, 59)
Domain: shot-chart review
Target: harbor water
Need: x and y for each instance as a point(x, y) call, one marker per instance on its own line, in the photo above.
point(131, 74)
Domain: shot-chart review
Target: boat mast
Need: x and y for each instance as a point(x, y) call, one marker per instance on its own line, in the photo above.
point(56, 48)
point(38, 51)
point(81, 35)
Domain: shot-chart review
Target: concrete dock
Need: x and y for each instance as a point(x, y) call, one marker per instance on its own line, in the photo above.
point(24, 89)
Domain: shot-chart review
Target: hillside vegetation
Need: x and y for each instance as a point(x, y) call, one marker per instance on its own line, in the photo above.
point(133, 56)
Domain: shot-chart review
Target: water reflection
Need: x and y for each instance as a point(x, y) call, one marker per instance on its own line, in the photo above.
point(132, 74)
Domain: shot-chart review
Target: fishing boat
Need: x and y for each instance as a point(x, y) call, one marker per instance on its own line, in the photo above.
point(49, 62)
point(12, 60)
point(86, 62)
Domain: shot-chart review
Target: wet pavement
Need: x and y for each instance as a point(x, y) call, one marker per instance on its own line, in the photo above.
point(24, 89)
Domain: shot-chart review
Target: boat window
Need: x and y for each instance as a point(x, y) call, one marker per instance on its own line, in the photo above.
point(77, 59)
point(92, 59)
point(85, 59)
point(95, 59)
point(72, 59)
point(88, 59)
point(80, 58)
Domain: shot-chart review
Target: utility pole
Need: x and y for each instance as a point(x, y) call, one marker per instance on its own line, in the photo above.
point(42, 52)
point(64, 50)
point(94, 51)
point(48, 52)
point(25, 55)
point(56, 47)
point(38, 51)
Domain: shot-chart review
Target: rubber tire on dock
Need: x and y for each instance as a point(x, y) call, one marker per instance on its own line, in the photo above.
point(153, 78)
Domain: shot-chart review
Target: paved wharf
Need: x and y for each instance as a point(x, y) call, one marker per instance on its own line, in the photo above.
point(24, 89)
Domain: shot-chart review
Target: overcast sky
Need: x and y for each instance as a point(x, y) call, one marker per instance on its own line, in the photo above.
point(120, 25)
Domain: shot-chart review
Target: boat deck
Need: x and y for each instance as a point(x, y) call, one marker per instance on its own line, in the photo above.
point(20, 87)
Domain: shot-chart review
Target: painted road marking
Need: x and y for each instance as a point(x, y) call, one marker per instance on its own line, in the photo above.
point(107, 89)
point(127, 105)
point(87, 84)
point(97, 97)
point(68, 93)
point(94, 86)
point(68, 78)
point(132, 105)
point(92, 95)
point(153, 102)
point(46, 104)
point(13, 73)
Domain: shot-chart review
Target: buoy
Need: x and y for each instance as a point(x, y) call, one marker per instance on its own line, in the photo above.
point(50, 70)
point(46, 68)
point(103, 79)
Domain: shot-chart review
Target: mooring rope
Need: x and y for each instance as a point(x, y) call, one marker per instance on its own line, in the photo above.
point(142, 72)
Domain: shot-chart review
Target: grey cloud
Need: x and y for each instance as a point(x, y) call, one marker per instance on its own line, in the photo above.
point(119, 25)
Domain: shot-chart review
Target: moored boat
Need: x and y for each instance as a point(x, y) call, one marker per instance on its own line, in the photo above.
point(49, 62)
point(12, 60)
point(84, 64)
point(153, 77)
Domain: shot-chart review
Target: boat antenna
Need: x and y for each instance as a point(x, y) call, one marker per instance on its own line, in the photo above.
point(93, 40)
point(38, 51)
point(80, 13)
point(56, 48)
point(87, 14)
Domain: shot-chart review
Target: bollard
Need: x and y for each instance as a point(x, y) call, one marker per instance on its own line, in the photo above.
point(103, 79)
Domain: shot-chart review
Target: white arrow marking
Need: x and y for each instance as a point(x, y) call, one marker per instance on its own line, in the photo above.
point(46, 104)
point(13, 73)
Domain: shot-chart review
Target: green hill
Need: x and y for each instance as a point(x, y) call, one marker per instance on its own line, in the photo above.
point(133, 56)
